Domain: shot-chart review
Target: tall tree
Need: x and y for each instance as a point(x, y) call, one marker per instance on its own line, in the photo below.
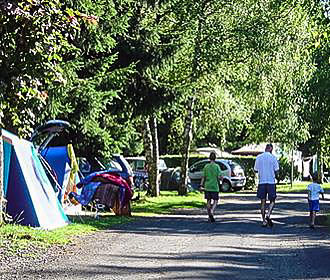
point(219, 34)
point(89, 95)
point(33, 39)
point(313, 99)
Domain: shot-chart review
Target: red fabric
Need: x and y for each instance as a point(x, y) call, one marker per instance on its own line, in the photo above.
point(117, 180)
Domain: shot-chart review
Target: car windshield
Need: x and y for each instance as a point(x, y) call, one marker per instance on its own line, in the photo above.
point(126, 164)
point(233, 165)
point(139, 164)
point(113, 165)
point(162, 164)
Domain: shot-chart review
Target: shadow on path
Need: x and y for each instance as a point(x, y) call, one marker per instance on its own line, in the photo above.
point(186, 246)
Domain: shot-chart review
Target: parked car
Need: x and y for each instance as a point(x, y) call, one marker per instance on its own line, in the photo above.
point(138, 164)
point(234, 177)
point(169, 177)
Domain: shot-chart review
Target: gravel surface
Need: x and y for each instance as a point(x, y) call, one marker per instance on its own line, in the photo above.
point(186, 246)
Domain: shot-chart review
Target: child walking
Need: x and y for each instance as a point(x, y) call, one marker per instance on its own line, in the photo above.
point(314, 191)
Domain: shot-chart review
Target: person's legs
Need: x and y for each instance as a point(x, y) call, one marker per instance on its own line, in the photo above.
point(313, 215)
point(261, 194)
point(271, 191)
point(314, 206)
point(212, 210)
point(209, 206)
point(212, 202)
point(263, 211)
point(310, 217)
point(214, 206)
point(270, 207)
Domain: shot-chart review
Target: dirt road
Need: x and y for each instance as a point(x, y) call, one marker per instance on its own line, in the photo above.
point(186, 246)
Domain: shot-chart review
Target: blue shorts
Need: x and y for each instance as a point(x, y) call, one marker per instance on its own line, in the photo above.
point(266, 189)
point(314, 205)
point(211, 195)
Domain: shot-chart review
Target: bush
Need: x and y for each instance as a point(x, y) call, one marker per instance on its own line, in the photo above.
point(247, 163)
point(173, 161)
point(284, 173)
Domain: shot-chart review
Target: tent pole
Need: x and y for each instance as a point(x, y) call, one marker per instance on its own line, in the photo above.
point(1, 177)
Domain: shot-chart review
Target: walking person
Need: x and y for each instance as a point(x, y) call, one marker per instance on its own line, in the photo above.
point(314, 190)
point(266, 165)
point(212, 176)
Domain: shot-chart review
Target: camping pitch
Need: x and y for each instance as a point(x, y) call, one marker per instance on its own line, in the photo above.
point(31, 199)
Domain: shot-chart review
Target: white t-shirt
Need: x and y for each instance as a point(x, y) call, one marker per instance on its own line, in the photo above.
point(314, 191)
point(266, 164)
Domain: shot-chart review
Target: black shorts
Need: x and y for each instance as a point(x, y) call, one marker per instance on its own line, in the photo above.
point(265, 190)
point(211, 195)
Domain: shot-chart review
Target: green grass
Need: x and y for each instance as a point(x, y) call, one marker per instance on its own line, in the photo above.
point(166, 202)
point(298, 187)
point(22, 237)
point(18, 237)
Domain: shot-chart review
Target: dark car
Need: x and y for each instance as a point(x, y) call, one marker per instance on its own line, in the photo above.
point(117, 164)
point(169, 177)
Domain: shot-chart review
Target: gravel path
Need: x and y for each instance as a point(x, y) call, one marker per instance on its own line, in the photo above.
point(186, 246)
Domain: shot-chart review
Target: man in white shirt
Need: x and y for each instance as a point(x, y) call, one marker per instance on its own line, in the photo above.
point(266, 165)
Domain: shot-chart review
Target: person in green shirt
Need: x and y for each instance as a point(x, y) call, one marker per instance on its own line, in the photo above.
point(211, 179)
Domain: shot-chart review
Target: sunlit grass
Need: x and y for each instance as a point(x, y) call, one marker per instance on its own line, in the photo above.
point(166, 202)
point(298, 187)
point(21, 237)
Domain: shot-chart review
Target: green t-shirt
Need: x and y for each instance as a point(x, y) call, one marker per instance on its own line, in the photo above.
point(211, 173)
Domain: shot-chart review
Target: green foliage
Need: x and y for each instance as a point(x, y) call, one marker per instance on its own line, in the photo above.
point(258, 72)
point(284, 173)
point(282, 72)
point(90, 98)
point(33, 39)
point(300, 187)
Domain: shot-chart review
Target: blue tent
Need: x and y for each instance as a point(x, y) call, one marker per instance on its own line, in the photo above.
point(58, 158)
point(30, 195)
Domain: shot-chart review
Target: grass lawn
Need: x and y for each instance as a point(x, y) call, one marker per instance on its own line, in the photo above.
point(298, 187)
point(166, 202)
point(16, 237)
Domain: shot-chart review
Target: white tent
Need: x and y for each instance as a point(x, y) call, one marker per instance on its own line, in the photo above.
point(218, 152)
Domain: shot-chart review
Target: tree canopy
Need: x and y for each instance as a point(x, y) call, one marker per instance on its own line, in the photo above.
point(250, 71)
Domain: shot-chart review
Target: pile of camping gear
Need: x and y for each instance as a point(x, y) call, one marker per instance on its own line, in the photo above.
point(39, 183)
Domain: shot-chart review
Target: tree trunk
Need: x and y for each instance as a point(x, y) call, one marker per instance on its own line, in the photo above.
point(151, 153)
point(1, 178)
point(292, 167)
point(319, 163)
point(155, 176)
point(187, 137)
point(195, 73)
